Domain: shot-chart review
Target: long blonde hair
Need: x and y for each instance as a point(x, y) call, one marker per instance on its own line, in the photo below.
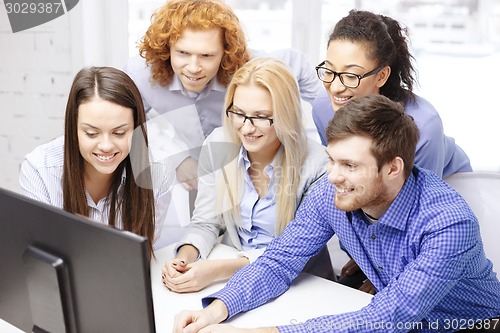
point(277, 78)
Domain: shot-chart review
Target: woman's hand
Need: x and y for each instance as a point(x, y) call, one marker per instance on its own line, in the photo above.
point(182, 277)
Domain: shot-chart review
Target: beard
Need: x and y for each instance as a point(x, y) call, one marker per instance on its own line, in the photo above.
point(364, 196)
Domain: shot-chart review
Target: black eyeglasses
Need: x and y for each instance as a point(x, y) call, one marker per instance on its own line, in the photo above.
point(238, 117)
point(350, 80)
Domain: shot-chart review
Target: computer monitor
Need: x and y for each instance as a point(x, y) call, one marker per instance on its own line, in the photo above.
point(60, 272)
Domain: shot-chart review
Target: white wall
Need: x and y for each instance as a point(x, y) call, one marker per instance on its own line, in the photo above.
point(35, 72)
point(37, 67)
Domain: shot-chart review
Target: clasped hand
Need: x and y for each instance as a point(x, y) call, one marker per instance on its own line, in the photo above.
point(183, 277)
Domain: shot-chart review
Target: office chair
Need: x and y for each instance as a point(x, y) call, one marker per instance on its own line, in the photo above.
point(481, 190)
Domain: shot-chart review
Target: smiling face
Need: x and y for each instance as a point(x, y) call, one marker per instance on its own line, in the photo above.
point(104, 136)
point(353, 170)
point(196, 57)
point(346, 56)
point(260, 142)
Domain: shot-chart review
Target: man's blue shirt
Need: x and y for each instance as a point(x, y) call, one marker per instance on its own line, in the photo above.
point(424, 256)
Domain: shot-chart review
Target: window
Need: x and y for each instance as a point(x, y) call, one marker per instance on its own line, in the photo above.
point(448, 39)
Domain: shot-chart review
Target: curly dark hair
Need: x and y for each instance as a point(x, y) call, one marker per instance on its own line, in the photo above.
point(387, 44)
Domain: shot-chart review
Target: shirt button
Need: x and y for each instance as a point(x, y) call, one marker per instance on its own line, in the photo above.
point(373, 237)
point(380, 268)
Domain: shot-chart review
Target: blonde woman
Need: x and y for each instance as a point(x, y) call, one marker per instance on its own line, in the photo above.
point(187, 57)
point(254, 172)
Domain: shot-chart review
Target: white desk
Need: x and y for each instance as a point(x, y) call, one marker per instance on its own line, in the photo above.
point(5, 327)
point(308, 297)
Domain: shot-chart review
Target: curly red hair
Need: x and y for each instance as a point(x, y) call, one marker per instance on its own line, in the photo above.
point(169, 22)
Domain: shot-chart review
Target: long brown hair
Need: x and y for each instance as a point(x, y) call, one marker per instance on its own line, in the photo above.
point(135, 203)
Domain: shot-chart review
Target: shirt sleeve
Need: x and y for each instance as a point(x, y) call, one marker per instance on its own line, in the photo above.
point(136, 68)
point(431, 148)
point(442, 248)
point(162, 133)
point(284, 258)
point(322, 112)
point(163, 177)
point(409, 297)
point(161, 129)
point(309, 84)
point(206, 226)
point(32, 183)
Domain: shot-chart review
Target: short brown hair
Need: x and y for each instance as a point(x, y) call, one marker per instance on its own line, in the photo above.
point(392, 131)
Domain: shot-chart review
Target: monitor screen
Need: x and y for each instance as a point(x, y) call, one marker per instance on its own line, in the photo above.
point(64, 273)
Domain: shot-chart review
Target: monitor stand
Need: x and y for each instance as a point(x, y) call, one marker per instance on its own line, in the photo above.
point(49, 288)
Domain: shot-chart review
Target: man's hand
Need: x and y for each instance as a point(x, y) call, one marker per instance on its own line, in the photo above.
point(187, 173)
point(226, 328)
point(368, 287)
point(351, 268)
point(194, 321)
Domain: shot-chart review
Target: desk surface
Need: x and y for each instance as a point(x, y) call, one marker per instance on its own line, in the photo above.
point(315, 295)
point(308, 297)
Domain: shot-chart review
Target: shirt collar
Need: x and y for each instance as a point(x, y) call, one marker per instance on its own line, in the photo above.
point(214, 84)
point(122, 182)
point(397, 216)
point(176, 84)
point(124, 176)
point(244, 161)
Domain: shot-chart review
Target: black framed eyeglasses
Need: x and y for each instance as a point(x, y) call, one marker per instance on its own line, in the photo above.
point(240, 118)
point(350, 80)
